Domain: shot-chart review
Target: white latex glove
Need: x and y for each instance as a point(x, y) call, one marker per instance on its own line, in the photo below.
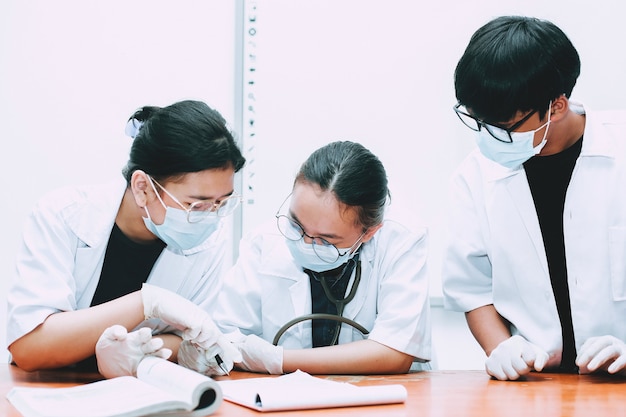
point(515, 357)
point(602, 352)
point(203, 360)
point(258, 355)
point(180, 313)
point(195, 323)
point(118, 352)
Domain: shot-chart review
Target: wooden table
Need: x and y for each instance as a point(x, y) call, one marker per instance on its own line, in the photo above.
point(433, 393)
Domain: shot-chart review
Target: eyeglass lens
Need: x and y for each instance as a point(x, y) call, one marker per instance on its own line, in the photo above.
point(201, 209)
point(475, 124)
point(497, 132)
point(324, 250)
point(467, 120)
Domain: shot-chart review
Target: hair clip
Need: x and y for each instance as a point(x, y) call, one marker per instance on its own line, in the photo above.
point(132, 127)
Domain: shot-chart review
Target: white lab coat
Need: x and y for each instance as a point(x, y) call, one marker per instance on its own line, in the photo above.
point(61, 256)
point(496, 253)
point(265, 289)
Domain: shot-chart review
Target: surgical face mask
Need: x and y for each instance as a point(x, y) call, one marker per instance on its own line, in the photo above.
point(176, 230)
point(515, 153)
point(305, 256)
point(178, 233)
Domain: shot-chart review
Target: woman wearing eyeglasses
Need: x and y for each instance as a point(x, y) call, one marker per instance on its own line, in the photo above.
point(330, 286)
point(99, 262)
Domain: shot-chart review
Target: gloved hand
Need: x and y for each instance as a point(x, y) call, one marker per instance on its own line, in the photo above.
point(118, 352)
point(193, 321)
point(258, 355)
point(515, 357)
point(602, 352)
point(203, 360)
point(180, 313)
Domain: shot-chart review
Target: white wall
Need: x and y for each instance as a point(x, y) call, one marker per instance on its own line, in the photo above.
point(378, 72)
point(381, 73)
point(72, 72)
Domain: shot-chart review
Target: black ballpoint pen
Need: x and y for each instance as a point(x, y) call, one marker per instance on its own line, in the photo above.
point(220, 363)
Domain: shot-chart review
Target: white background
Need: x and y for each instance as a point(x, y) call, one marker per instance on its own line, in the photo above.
point(377, 72)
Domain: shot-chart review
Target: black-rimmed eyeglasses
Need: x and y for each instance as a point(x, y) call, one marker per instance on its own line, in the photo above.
point(503, 134)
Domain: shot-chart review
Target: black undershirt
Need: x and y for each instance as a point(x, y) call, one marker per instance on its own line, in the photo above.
point(127, 265)
point(337, 280)
point(548, 178)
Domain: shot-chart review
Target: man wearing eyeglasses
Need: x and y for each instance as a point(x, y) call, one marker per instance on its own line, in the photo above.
point(537, 247)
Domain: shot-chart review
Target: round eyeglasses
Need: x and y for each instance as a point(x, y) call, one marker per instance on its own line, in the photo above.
point(324, 250)
point(503, 134)
point(200, 210)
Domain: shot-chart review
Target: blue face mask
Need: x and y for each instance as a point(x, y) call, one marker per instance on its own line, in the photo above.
point(176, 230)
point(178, 233)
point(515, 153)
point(305, 256)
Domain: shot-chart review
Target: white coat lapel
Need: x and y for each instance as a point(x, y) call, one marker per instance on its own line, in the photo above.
point(519, 191)
point(277, 262)
point(520, 203)
point(301, 296)
point(366, 257)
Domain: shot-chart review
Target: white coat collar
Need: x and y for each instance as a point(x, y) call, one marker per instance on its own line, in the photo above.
point(277, 261)
point(92, 211)
point(595, 140)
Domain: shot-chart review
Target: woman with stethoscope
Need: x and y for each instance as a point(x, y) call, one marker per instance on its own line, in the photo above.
point(329, 274)
point(102, 268)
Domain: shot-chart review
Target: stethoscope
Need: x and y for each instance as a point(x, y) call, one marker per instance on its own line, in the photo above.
point(339, 304)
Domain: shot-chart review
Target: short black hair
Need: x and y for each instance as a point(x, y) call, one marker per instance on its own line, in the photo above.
point(187, 136)
point(515, 63)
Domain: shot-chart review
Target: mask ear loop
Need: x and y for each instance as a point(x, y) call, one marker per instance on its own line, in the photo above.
point(157, 193)
point(537, 149)
point(147, 212)
point(158, 196)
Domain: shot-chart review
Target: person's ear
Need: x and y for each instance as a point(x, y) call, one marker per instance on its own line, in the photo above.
point(559, 108)
point(140, 187)
point(371, 232)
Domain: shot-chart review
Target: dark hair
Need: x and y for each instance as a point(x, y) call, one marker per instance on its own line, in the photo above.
point(353, 174)
point(515, 63)
point(187, 136)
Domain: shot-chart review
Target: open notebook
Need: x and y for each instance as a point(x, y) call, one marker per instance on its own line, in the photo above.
point(160, 387)
point(300, 391)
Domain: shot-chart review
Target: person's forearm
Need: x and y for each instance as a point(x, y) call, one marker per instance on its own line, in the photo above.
point(172, 342)
point(361, 357)
point(488, 327)
point(68, 337)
